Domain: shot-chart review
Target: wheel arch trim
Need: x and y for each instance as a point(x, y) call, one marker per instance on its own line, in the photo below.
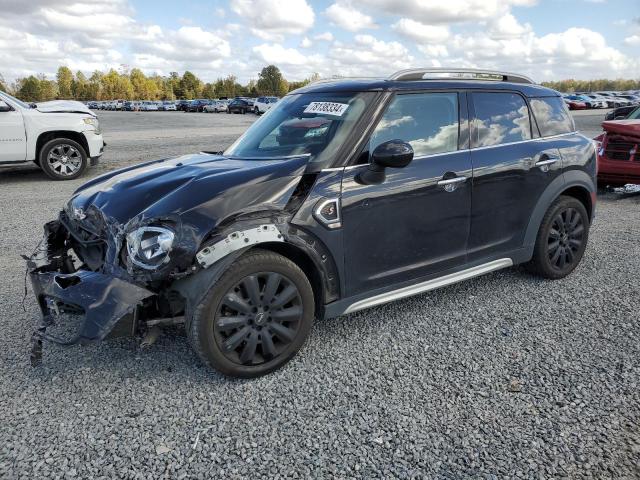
point(563, 183)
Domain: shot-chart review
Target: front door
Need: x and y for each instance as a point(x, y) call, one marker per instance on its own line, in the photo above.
point(417, 221)
point(13, 141)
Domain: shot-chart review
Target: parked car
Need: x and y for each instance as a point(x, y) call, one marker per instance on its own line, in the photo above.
point(198, 105)
point(167, 106)
point(262, 104)
point(575, 105)
point(239, 105)
point(619, 153)
point(62, 137)
point(131, 106)
point(182, 105)
point(614, 100)
point(148, 106)
point(215, 107)
point(589, 102)
point(347, 195)
point(620, 113)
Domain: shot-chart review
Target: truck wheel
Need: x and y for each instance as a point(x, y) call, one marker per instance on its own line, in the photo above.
point(255, 318)
point(63, 159)
point(562, 239)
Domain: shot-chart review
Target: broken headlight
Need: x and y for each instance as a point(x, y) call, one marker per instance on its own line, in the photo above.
point(149, 247)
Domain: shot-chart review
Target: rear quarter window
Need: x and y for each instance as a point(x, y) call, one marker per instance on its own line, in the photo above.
point(552, 116)
point(500, 118)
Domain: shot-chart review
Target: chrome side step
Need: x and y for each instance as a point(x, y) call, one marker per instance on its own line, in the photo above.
point(429, 285)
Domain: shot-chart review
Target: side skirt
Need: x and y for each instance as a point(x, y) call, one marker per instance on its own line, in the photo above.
point(350, 305)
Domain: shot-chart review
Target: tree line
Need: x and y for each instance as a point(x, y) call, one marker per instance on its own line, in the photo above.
point(135, 85)
point(571, 85)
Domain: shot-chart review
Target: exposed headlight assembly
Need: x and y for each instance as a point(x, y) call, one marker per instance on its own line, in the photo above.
point(94, 122)
point(149, 247)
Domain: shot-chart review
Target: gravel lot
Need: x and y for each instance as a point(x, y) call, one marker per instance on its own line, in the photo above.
point(505, 376)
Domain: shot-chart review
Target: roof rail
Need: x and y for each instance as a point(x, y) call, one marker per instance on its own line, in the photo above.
point(458, 74)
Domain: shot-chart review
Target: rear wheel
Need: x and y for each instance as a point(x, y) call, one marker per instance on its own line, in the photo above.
point(255, 318)
point(562, 239)
point(63, 159)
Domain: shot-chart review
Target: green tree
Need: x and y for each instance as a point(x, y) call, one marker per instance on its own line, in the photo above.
point(190, 86)
point(28, 89)
point(79, 87)
point(64, 78)
point(3, 86)
point(209, 90)
point(271, 82)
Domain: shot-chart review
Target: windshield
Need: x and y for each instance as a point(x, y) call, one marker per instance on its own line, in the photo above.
point(314, 124)
point(14, 99)
point(635, 115)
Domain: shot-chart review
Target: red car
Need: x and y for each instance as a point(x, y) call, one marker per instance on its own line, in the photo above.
point(619, 153)
point(575, 105)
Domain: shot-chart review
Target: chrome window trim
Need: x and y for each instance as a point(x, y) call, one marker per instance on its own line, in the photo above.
point(429, 285)
point(349, 167)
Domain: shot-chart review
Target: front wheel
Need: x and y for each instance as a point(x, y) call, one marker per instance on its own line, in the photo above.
point(63, 159)
point(255, 318)
point(562, 239)
point(256, 111)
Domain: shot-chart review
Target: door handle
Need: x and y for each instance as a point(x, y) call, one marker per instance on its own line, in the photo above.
point(547, 159)
point(450, 184)
point(452, 181)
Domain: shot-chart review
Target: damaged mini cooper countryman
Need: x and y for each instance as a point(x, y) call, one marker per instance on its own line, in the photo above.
point(346, 195)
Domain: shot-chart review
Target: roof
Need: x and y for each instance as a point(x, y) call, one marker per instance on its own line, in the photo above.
point(382, 84)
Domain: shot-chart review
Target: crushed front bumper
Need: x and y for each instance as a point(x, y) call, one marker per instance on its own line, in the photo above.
point(84, 305)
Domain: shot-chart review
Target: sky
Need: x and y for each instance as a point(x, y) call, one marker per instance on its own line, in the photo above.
point(545, 39)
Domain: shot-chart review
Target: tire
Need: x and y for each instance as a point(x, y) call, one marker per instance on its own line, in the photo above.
point(71, 164)
point(256, 111)
point(229, 334)
point(561, 240)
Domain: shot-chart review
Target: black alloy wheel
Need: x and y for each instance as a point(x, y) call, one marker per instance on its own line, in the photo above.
point(566, 237)
point(258, 318)
point(255, 317)
point(562, 239)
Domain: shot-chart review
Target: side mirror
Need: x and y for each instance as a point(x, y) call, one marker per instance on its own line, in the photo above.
point(391, 154)
point(4, 107)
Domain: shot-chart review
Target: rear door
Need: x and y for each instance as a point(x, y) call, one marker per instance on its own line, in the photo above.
point(416, 222)
point(511, 169)
point(13, 139)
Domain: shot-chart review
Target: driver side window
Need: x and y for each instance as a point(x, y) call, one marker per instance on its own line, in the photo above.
point(4, 106)
point(427, 121)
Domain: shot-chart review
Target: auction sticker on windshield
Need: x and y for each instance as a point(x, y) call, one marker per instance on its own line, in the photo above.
point(328, 108)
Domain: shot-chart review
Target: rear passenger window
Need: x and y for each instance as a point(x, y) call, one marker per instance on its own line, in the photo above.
point(500, 118)
point(552, 116)
point(427, 121)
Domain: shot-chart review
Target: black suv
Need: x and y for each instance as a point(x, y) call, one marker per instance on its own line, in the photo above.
point(349, 194)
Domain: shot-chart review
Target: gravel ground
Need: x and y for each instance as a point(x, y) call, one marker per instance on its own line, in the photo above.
point(505, 376)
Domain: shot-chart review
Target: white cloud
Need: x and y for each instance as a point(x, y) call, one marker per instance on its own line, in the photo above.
point(306, 43)
point(326, 37)
point(420, 32)
point(366, 56)
point(507, 26)
point(279, 55)
point(448, 11)
point(633, 40)
point(277, 16)
point(347, 17)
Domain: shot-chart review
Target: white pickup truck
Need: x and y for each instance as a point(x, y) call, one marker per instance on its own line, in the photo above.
point(62, 137)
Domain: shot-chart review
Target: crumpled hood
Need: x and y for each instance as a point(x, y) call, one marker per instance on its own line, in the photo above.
point(63, 106)
point(623, 127)
point(202, 189)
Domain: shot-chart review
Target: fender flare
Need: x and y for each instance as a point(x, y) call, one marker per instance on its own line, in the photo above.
point(572, 178)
